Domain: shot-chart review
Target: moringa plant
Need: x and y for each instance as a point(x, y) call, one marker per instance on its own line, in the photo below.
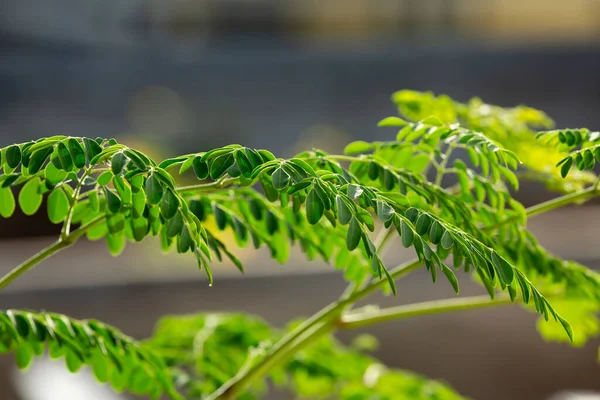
point(343, 209)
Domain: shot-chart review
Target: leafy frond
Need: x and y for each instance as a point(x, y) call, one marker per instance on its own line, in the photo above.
point(211, 348)
point(580, 146)
point(113, 357)
point(513, 128)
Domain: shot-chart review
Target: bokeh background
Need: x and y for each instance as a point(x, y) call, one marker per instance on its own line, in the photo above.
point(176, 76)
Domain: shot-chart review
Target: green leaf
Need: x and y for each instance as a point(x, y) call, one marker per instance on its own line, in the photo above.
point(280, 179)
point(58, 206)
point(314, 207)
point(447, 240)
point(354, 234)
point(564, 170)
point(64, 157)
point(153, 189)
point(116, 243)
point(24, 355)
point(200, 168)
point(104, 178)
point(38, 159)
point(392, 121)
point(77, 153)
point(92, 149)
point(139, 227)
point(243, 164)
point(505, 270)
point(406, 233)
point(118, 162)
point(359, 147)
point(436, 232)
point(138, 203)
point(112, 200)
point(169, 204)
point(54, 175)
point(174, 225)
point(219, 165)
point(30, 197)
point(344, 213)
point(423, 223)
point(13, 156)
point(450, 276)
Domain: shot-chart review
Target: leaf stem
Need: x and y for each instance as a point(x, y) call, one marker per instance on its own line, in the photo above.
point(550, 205)
point(369, 316)
point(54, 248)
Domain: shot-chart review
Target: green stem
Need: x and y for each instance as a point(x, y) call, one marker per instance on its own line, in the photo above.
point(550, 205)
point(361, 318)
point(54, 248)
point(289, 344)
point(441, 168)
point(206, 186)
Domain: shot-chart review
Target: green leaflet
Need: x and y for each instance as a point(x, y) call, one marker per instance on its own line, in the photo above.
point(58, 205)
point(12, 156)
point(153, 189)
point(30, 197)
point(314, 207)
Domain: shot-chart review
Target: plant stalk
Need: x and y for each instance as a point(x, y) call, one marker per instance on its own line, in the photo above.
point(360, 318)
point(49, 251)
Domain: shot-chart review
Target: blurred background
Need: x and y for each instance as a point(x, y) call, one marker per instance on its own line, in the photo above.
point(176, 76)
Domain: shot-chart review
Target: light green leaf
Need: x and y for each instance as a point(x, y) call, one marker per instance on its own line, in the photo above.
point(30, 197)
point(58, 205)
point(359, 147)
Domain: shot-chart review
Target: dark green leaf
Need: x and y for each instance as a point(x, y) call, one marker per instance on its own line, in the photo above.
point(220, 216)
point(354, 234)
point(423, 223)
point(118, 162)
point(184, 241)
point(344, 214)
point(450, 276)
point(64, 157)
point(436, 232)
point(169, 204)
point(219, 165)
point(373, 170)
point(406, 233)
point(447, 240)
point(153, 189)
point(174, 225)
point(314, 207)
point(38, 159)
point(77, 152)
point(13, 156)
point(272, 223)
point(280, 179)
point(256, 209)
point(564, 170)
point(200, 168)
point(504, 269)
point(92, 149)
point(112, 200)
point(243, 164)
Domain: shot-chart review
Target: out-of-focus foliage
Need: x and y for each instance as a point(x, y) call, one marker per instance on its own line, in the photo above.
point(206, 350)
